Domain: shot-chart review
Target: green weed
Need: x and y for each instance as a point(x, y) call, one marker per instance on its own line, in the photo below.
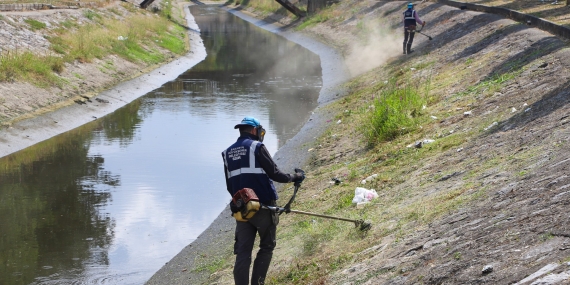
point(212, 266)
point(30, 67)
point(68, 24)
point(91, 15)
point(397, 111)
point(492, 84)
point(313, 20)
point(35, 25)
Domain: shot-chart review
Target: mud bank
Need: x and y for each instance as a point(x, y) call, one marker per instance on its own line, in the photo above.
point(217, 240)
point(28, 132)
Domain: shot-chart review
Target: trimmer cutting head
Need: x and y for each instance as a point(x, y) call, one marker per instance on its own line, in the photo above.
point(363, 226)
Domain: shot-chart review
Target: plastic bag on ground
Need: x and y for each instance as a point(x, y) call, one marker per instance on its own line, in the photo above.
point(364, 195)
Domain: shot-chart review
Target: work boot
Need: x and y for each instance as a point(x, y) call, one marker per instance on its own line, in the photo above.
point(410, 49)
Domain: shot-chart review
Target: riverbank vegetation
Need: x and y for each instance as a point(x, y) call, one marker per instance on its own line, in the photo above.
point(131, 33)
point(269, 7)
point(434, 134)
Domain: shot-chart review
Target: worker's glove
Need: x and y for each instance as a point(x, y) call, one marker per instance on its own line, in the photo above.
point(424, 23)
point(299, 175)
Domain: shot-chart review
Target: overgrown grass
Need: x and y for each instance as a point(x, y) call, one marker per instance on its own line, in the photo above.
point(130, 41)
point(138, 38)
point(396, 110)
point(30, 67)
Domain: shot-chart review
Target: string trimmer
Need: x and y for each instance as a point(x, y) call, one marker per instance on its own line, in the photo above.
point(361, 224)
point(420, 32)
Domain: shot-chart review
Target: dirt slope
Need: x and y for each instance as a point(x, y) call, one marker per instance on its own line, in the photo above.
point(520, 224)
point(486, 203)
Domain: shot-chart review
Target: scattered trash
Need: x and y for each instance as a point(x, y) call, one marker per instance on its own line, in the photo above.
point(121, 38)
point(467, 113)
point(419, 144)
point(526, 110)
point(338, 122)
point(369, 178)
point(460, 149)
point(311, 149)
point(434, 117)
point(364, 195)
point(491, 125)
point(412, 69)
point(524, 105)
point(335, 181)
point(513, 109)
point(487, 269)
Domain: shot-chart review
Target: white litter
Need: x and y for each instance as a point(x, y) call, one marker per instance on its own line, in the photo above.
point(364, 195)
point(491, 125)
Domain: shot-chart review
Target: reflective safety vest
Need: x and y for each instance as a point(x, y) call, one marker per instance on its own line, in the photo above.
point(409, 17)
point(243, 170)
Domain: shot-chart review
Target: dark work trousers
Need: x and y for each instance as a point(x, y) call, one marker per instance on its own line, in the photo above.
point(408, 39)
point(264, 223)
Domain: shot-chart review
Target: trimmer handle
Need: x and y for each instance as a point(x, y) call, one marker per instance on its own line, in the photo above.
point(299, 170)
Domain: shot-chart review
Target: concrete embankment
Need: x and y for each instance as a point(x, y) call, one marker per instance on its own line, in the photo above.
point(217, 240)
point(25, 133)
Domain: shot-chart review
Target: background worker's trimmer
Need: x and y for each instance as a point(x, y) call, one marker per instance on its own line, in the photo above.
point(420, 32)
point(361, 224)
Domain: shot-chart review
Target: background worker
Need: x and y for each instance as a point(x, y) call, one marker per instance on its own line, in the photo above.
point(248, 164)
point(411, 19)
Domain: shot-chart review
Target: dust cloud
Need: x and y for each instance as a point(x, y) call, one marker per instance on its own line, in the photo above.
point(378, 43)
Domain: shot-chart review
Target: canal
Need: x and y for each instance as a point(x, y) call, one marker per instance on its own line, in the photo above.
point(113, 200)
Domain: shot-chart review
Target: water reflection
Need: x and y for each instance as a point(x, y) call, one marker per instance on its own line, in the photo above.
point(112, 201)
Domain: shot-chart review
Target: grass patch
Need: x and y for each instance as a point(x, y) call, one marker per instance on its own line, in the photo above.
point(91, 15)
point(212, 266)
point(313, 20)
point(491, 85)
point(35, 25)
point(30, 67)
point(397, 110)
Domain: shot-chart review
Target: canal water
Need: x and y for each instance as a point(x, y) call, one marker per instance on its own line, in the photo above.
point(112, 201)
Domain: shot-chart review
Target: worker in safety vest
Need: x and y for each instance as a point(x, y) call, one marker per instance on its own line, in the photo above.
point(411, 19)
point(248, 164)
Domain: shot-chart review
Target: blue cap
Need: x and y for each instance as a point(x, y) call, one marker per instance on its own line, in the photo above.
point(248, 121)
point(410, 5)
